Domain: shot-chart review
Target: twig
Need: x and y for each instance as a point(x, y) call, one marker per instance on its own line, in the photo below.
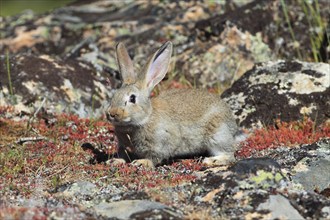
point(59, 171)
point(236, 71)
point(26, 139)
point(35, 113)
point(42, 104)
point(76, 48)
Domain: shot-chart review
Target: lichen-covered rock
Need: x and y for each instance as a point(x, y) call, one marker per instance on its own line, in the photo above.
point(264, 18)
point(214, 45)
point(67, 56)
point(284, 90)
point(224, 60)
point(66, 85)
point(313, 172)
point(132, 209)
point(280, 208)
point(258, 188)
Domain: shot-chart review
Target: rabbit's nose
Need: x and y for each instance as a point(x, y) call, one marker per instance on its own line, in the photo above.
point(109, 117)
point(112, 114)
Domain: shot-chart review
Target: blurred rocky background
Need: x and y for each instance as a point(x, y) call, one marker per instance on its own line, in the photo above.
point(67, 57)
point(269, 60)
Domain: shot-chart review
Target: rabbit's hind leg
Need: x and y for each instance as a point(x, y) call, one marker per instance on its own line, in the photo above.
point(219, 160)
point(144, 163)
point(221, 145)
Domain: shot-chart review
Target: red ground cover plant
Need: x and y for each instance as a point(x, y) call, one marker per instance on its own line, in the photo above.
point(9, 129)
point(59, 158)
point(137, 178)
point(77, 131)
point(6, 109)
point(284, 134)
point(23, 213)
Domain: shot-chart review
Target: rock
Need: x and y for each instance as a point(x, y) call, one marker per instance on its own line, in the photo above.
point(226, 60)
point(126, 208)
point(67, 55)
point(265, 19)
point(313, 174)
point(317, 175)
point(284, 90)
point(78, 189)
point(71, 67)
point(308, 164)
point(264, 180)
point(260, 10)
point(252, 165)
point(326, 210)
point(258, 187)
point(157, 214)
point(66, 85)
point(213, 46)
point(280, 208)
point(310, 205)
point(288, 157)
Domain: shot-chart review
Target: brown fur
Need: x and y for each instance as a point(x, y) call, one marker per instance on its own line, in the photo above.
point(177, 122)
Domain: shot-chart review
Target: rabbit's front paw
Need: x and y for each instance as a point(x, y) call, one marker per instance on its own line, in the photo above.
point(219, 160)
point(144, 162)
point(116, 161)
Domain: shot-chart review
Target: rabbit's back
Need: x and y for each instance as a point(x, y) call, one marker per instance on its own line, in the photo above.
point(188, 122)
point(191, 105)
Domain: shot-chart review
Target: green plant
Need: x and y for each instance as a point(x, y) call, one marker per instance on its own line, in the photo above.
point(315, 23)
point(316, 26)
point(287, 20)
point(12, 162)
point(9, 74)
point(55, 181)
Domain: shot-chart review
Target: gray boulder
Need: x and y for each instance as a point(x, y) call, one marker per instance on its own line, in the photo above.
point(313, 172)
point(126, 209)
point(280, 208)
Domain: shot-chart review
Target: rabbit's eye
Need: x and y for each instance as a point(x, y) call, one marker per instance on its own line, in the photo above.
point(132, 98)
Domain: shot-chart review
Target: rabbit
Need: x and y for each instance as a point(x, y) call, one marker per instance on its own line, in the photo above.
point(176, 123)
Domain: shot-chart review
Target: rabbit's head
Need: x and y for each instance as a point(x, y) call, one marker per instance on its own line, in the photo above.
point(131, 104)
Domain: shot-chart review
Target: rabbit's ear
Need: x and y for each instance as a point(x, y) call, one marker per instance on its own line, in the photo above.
point(125, 64)
point(157, 66)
